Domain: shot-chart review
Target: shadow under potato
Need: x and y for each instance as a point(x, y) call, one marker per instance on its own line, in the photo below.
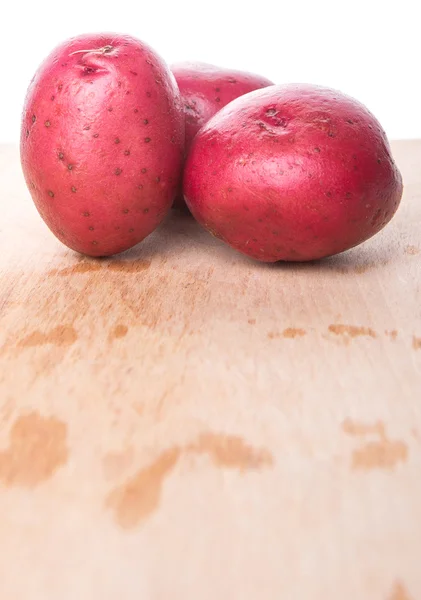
point(179, 233)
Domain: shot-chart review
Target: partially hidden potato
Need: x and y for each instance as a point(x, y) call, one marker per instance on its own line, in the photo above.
point(102, 142)
point(205, 89)
point(292, 172)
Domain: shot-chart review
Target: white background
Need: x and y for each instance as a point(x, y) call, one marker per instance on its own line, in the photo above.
point(369, 49)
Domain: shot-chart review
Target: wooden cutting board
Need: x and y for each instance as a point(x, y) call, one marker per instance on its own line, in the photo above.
point(183, 423)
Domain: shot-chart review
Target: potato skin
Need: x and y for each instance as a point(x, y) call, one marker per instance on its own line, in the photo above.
point(102, 142)
point(292, 172)
point(205, 89)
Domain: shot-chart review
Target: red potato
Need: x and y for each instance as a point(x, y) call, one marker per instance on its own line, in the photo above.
point(292, 172)
point(102, 142)
point(205, 89)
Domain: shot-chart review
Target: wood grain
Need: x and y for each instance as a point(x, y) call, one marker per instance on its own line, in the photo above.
point(181, 422)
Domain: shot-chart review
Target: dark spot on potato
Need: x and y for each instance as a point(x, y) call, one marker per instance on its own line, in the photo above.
point(140, 186)
point(88, 70)
point(133, 72)
point(34, 118)
point(232, 80)
point(61, 155)
point(173, 139)
point(94, 243)
point(86, 214)
point(47, 123)
point(127, 153)
point(230, 189)
point(148, 94)
point(350, 121)
point(331, 134)
point(147, 140)
point(145, 211)
point(148, 61)
point(217, 99)
point(27, 132)
point(95, 135)
point(329, 194)
point(136, 110)
point(127, 92)
point(90, 228)
point(355, 168)
point(60, 87)
point(86, 128)
point(117, 171)
point(125, 211)
point(70, 167)
point(348, 195)
point(143, 170)
point(316, 149)
point(53, 97)
point(110, 109)
point(131, 230)
point(158, 179)
point(73, 189)
point(117, 141)
point(379, 161)
point(217, 89)
point(51, 194)
point(145, 121)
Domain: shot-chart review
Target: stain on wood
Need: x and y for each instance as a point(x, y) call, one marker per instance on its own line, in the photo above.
point(393, 334)
point(293, 332)
point(381, 453)
point(416, 343)
point(231, 452)
point(62, 335)
point(351, 331)
point(125, 266)
point(140, 496)
point(37, 448)
point(118, 332)
point(77, 269)
point(399, 592)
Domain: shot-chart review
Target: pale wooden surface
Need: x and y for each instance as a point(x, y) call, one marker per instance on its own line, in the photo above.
point(183, 423)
